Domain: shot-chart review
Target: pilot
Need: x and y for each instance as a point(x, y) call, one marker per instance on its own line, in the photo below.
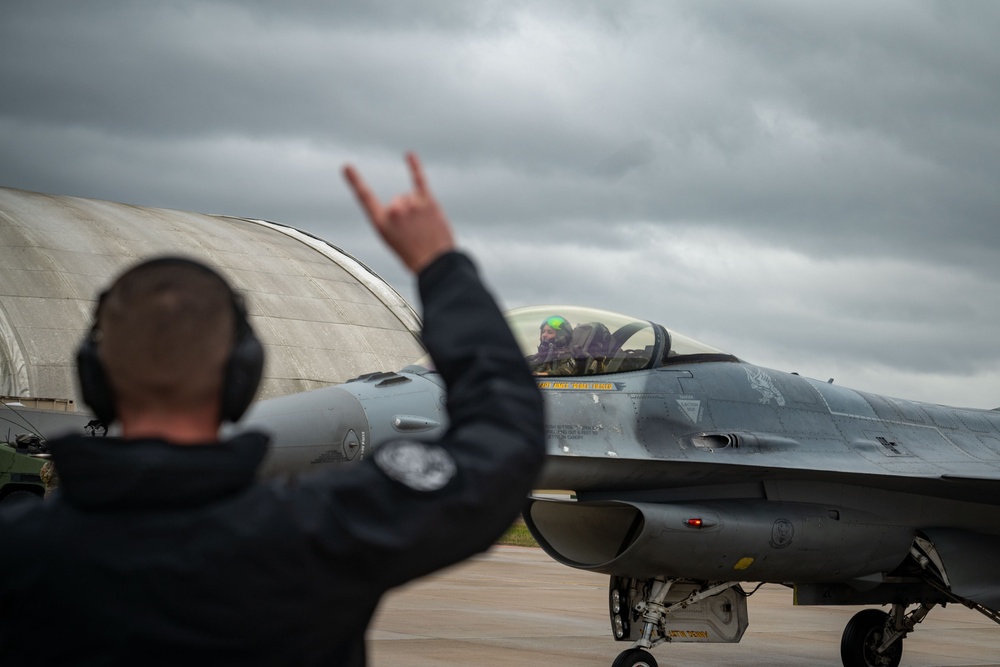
point(554, 356)
point(164, 547)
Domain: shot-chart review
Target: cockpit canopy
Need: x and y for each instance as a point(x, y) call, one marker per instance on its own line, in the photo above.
point(603, 342)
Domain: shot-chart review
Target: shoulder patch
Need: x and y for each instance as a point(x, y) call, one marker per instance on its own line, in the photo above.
point(418, 465)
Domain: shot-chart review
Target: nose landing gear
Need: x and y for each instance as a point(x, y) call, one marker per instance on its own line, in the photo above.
point(863, 639)
point(650, 612)
point(874, 638)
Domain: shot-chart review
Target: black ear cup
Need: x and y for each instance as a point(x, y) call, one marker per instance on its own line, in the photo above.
point(94, 387)
point(243, 369)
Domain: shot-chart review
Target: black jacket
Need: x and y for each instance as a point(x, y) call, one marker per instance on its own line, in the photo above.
point(152, 553)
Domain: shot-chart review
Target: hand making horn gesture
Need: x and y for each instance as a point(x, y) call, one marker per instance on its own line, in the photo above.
point(412, 224)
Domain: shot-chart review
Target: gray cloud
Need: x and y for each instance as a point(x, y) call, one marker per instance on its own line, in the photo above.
point(806, 185)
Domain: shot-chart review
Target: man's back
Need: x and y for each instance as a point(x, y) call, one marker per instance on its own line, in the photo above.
point(156, 552)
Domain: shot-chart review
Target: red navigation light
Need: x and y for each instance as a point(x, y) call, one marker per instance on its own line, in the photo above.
point(695, 523)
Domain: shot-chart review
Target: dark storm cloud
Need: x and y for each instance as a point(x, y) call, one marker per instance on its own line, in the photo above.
point(802, 184)
point(907, 84)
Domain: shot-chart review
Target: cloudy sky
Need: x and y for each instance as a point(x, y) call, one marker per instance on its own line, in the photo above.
point(810, 186)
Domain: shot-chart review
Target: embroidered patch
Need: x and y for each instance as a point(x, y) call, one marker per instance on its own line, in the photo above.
point(418, 465)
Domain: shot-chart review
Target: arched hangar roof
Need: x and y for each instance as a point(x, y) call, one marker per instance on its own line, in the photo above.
point(322, 315)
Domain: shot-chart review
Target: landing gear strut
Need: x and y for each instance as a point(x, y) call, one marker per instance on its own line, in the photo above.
point(650, 612)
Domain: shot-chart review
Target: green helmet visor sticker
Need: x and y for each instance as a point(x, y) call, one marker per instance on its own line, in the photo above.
point(555, 322)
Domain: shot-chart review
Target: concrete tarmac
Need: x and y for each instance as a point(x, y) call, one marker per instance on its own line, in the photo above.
point(516, 606)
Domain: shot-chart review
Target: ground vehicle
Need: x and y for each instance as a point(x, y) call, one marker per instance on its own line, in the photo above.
point(20, 464)
point(26, 424)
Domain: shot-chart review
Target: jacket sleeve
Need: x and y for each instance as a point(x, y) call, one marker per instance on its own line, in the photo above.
point(394, 529)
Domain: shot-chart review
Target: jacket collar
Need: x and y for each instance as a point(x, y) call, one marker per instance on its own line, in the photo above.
point(105, 473)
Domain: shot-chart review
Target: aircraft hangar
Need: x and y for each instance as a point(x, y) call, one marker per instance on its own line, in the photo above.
point(323, 316)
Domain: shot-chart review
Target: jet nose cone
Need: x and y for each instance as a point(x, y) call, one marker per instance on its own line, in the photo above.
point(351, 445)
point(310, 430)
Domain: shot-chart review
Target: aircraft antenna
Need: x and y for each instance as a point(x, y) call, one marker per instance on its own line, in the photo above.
point(23, 419)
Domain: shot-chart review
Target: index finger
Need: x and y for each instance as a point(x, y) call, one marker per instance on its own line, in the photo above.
point(368, 200)
point(417, 171)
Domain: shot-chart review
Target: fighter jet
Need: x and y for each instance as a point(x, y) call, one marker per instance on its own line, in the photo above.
point(689, 475)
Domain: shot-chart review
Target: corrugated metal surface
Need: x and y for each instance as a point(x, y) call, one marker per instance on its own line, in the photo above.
point(323, 316)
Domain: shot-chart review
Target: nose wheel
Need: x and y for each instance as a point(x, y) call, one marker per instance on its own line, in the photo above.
point(634, 657)
point(864, 636)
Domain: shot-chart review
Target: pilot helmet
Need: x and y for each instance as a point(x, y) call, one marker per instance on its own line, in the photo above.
point(564, 332)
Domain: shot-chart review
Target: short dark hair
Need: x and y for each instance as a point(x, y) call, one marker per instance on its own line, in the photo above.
point(166, 329)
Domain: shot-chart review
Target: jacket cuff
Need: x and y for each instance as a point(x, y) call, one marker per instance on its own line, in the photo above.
point(439, 270)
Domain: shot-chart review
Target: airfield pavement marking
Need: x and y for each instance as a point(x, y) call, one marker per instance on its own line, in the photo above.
point(516, 606)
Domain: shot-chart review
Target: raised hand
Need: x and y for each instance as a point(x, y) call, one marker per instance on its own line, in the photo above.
point(412, 224)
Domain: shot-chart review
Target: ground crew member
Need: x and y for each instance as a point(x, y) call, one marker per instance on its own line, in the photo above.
point(162, 547)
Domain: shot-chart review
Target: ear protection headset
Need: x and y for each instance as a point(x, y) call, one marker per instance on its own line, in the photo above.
point(243, 368)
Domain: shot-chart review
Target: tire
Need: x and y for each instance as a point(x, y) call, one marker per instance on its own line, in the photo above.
point(634, 657)
point(862, 636)
point(19, 496)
